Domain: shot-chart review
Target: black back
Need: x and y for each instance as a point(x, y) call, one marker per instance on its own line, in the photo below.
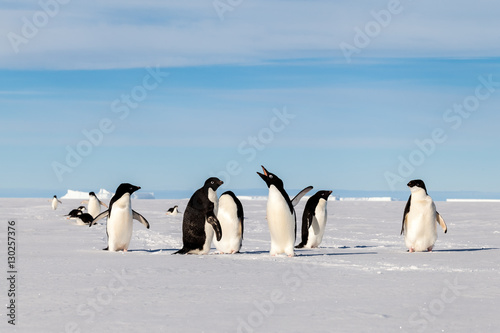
point(309, 213)
point(198, 209)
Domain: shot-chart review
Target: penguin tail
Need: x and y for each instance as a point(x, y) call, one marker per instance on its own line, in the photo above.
point(106, 249)
point(301, 245)
point(181, 251)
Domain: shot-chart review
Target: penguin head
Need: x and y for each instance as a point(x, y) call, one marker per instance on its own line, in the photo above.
point(324, 194)
point(126, 188)
point(416, 185)
point(213, 183)
point(91, 194)
point(55, 196)
point(81, 208)
point(270, 178)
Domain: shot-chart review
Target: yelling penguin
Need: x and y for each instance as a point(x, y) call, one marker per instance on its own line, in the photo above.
point(230, 216)
point(281, 214)
point(314, 220)
point(420, 219)
point(200, 219)
point(55, 202)
point(94, 204)
point(120, 216)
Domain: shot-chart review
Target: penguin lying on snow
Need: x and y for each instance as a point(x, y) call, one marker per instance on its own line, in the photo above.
point(420, 219)
point(314, 220)
point(200, 219)
point(173, 211)
point(281, 214)
point(75, 212)
point(230, 216)
point(120, 214)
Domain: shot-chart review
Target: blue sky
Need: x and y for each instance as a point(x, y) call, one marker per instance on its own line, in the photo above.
point(185, 91)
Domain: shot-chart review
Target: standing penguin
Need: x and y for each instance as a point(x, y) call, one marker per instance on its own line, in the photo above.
point(314, 220)
point(420, 218)
point(94, 204)
point(173, 211)
point(200, 219)
point(120, 214)
point(230, 216)
point(55, 202)
point(281, 214)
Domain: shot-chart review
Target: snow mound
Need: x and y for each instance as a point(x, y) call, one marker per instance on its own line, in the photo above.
point(472, 200)
point(104, 195)
point(367, 199)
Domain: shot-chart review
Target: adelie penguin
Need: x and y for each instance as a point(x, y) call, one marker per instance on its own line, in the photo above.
point(173, 211)
point(230, 216)
point(420, 219)
point(281, 214)
point(55, 202)
point(200, 219)
point(94, 204)
point(75, 212)
point(120, 215)
point(314, 220)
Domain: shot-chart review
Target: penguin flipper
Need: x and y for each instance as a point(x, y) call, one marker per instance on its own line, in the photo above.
point(212, 220)
point(140, 218)
point(299, 196)
point(103, 204)
point(84, 202)
point(98, 217)
point(441, 222)
point(407, 210)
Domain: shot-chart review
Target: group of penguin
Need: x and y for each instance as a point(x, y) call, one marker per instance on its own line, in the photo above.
point(209, 218)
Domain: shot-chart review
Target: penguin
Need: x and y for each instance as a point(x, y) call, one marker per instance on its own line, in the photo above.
point(314, 220)
point(230, 216)
point(75, 212)
point(420, 219)
point(281, 214)
point(120, 215)
point(55, 202)
point(94, 204)
point(200, 219)
point(173, 211)
point(85, 219)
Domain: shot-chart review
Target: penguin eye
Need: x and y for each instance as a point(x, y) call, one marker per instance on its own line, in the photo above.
point(212, 181)
point(270, 176)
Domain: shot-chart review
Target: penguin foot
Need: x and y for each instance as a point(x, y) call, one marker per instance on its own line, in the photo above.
point(430, 249)
point(412, 250)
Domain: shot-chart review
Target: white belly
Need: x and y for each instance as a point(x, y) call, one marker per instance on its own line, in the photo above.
point(94, 207)
point(420, 231)
point(55, 203)
point(281, 223)
point(317, 228)
point(230, 225)
point(119, 225)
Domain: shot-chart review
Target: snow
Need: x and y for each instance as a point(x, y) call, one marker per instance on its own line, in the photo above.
point(360, 280)
point(104, 195)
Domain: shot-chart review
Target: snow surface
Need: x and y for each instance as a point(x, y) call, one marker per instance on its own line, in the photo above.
point(360, 280)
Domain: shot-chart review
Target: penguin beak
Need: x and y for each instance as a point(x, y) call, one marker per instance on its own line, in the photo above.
point(265, 171)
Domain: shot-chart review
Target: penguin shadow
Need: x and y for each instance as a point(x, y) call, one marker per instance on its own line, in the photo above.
point(333, 254)
point(468, 250)
point(153, 251)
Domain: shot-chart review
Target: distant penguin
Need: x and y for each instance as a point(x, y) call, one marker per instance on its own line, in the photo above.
point(94, 204)
point(120, 215)
point(281, 214)
point(200, 219)
point(55, 202)
point(75, 212)
point(173, 211)
point(230, 216)
point(420, 219)
point(314, 220)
